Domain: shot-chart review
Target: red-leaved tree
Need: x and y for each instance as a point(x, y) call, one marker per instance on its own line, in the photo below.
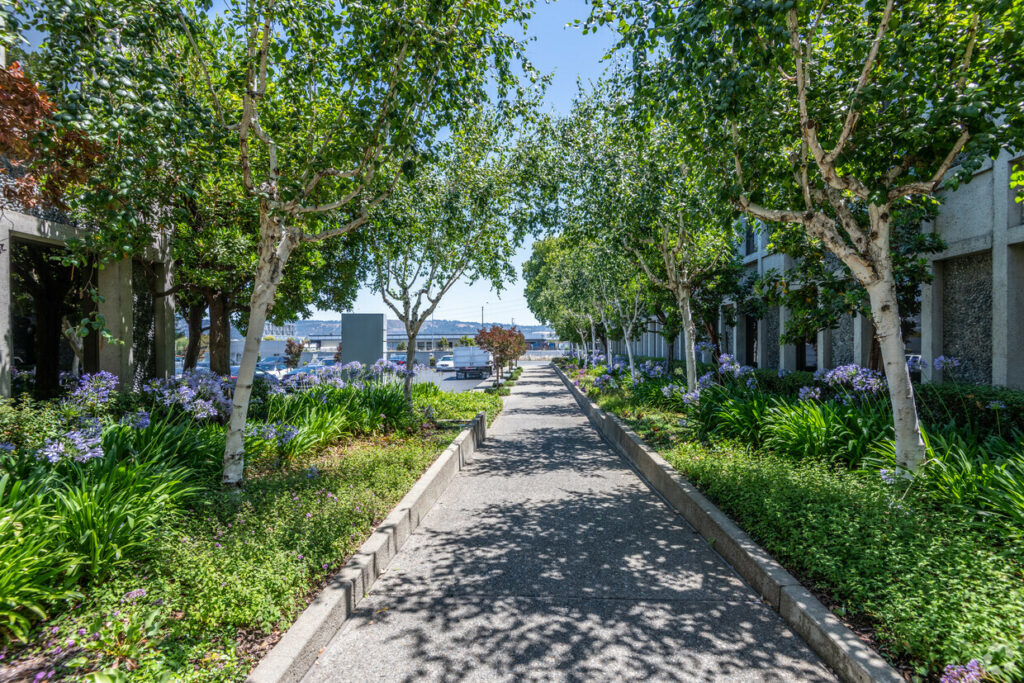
point(504, 345)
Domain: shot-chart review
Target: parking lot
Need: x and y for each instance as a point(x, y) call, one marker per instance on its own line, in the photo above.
point(446, 380)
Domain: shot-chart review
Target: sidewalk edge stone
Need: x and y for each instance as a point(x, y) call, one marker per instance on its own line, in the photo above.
point(302, 643)
point(839, 647)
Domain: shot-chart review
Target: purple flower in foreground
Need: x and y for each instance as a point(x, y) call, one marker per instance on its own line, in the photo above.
point(888, 476)
point(958, 673)
point(6, 446)
point(132, 596)
point(944, 362)
point(996, 405)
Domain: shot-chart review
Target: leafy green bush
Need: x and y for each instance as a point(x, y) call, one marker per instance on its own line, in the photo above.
point(448, 405)
point(826, 431)
point(981, 410)
point(787, 384)
point(113, 511)
point(936, 586)
point(30, 558)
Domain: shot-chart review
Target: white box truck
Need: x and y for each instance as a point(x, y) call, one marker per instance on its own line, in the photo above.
point(471, 361)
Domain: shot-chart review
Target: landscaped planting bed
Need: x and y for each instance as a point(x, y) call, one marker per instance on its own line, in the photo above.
point(122, 557)
point(929, 567)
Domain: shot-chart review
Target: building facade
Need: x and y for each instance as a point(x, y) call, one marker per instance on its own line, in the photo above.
point(973, 309)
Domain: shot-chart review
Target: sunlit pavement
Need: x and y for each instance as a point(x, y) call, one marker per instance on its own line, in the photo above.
point(549, 559)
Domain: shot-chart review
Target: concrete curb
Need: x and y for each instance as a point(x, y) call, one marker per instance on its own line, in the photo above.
point(300, 646)
point(839, 647)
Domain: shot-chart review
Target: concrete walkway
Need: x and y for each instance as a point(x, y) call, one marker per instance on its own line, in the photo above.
point(548, 558)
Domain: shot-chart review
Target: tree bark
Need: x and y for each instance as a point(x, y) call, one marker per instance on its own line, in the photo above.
point(689, 337)
point(220, 334)
point(885, 314)
point(410, 361)
point(276, 246)
point(194, 321)
point(593, 339)
point(670, 352)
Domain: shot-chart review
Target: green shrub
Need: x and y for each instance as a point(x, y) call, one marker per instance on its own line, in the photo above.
point(455, 406)
point(981, 410)
point(743, 418)
point(31, 562)
point(787, 385)
point(932, 583)
point(826, 431)
point(113, 511)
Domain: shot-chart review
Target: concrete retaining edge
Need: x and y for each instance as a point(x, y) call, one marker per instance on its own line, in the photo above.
point(839, 647)
point(302, 643)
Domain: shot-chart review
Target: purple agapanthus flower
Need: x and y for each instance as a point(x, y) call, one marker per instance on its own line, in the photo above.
point(809, 393)
point(959, 673)
point(946, 362)
point(94, 390)
point(140, 419)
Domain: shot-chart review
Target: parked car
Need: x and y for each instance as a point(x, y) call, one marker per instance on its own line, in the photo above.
point(446, 364)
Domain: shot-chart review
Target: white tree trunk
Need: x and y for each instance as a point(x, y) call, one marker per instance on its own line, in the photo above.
point(583, 342)
point(593, 338)
point(689, 338)
point(275, 248)
point(410, 361)
point(886, 317)
point(629, 355)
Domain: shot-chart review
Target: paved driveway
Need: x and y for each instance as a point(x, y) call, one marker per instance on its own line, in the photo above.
point(549, 559)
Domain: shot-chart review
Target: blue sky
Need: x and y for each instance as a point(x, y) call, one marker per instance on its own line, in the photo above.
point(570, 56)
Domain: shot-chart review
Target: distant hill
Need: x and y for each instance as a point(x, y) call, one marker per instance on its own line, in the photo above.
point(458, 328)
point(454, 329)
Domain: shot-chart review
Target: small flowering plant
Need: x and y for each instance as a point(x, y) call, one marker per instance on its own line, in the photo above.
point(202, 395)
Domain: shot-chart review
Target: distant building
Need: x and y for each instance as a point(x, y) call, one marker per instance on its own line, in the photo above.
point(286, 330)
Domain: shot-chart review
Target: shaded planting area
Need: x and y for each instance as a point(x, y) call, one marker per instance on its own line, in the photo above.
point(121, 555)
point(929, 566)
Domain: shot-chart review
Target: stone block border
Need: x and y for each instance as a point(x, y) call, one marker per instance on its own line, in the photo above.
point(300, 646)
point(839, 647)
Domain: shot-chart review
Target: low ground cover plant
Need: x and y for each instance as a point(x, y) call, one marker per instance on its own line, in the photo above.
point(934, 564)
point(122, 557)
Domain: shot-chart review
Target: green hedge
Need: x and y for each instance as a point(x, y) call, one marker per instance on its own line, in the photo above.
point(935, 587)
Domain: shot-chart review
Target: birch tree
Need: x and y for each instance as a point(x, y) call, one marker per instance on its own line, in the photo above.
point(639, 185)
point(326, 102)
point(457, 219)
point(827, 107)
point(622, 289)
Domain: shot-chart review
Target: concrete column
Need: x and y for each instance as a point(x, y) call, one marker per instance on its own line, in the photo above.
point(787, 352)
point(824, 349)
point(1007, 285)
point(115, 286)
point(163, 319)
point(931, 324)
point(863, 336)
point(6, 337)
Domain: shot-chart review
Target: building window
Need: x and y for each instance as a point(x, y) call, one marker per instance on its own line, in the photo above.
point(750, 240)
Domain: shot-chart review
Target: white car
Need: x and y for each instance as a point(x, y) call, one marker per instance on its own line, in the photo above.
point(446, 364)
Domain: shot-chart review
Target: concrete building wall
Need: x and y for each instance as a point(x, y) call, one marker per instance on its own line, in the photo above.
point(118, 290)
point(967, 314)
point(973, 310)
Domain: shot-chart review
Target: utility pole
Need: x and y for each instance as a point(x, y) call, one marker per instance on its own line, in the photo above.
point(481, 315)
